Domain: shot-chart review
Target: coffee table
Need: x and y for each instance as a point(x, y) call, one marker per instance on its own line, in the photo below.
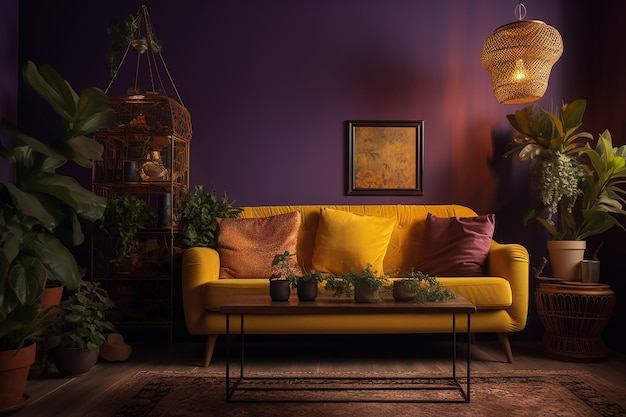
point(244, 305)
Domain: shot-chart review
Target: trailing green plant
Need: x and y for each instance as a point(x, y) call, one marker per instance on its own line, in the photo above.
point(81, 320)
point(581, 189)
point(426, 288)
point(124, 216)
point(347, 282)
point(40, 210)
point(199, 213)
point(285, 269)
point(126, 33)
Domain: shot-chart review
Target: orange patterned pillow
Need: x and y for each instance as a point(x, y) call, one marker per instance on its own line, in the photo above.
point(247, 246)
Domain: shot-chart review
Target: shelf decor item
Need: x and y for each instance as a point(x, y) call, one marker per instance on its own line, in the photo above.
point(146, 155)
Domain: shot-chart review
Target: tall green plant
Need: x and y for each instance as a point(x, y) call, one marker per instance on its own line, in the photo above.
point(200, 209)
point(40, 211)
point(580, 189)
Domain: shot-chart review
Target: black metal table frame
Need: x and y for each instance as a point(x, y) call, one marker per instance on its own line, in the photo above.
point(233, 387)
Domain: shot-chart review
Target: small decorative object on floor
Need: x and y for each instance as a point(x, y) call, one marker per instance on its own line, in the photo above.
point(114, 349)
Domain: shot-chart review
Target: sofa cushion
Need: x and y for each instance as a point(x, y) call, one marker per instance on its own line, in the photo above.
point(345, 240)
point(456, 246)
point(247, 246)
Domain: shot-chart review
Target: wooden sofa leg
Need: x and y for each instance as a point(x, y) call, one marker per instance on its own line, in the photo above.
point(504, 342)
point(208, 350)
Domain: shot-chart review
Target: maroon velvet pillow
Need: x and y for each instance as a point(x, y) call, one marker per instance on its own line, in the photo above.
point(456, 246)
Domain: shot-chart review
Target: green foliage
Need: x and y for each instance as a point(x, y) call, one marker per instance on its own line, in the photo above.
point(582, 187)
point(81, 321)
point(200, 209)
point(284, 269)
point(427, 289)
point(124, 216)
point(348, 281)
point(40, 211)
point(123, 33)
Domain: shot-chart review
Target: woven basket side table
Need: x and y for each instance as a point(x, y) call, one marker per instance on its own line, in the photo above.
point(574, 316)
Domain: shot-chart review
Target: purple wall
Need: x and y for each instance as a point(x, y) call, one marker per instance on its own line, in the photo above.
point(8, 72)
point(269, 86)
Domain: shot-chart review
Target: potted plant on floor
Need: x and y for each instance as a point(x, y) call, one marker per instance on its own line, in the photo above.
point(40, 211)
point(79, 329)
point(421, 288)
point(305, 282)
point(366, 285)
point(580, 188)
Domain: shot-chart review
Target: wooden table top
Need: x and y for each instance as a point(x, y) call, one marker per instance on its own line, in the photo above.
point(262, 304)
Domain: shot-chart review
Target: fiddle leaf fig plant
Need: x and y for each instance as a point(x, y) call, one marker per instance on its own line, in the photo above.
point(40, 210)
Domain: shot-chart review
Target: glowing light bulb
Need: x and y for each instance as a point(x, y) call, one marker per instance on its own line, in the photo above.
point(520, 70)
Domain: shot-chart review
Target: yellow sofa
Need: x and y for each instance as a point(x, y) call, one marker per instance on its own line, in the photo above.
point(501, 297)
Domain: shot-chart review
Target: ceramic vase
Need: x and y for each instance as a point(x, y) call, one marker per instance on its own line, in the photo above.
point(565, 257)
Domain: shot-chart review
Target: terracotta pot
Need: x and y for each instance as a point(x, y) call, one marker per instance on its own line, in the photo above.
point(279, 290)
point(565, 257)
point(307, 290)
point(14, 366)
point(51, 296)
point(73, 361)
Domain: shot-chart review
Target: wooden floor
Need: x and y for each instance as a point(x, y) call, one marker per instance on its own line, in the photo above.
point(51, 395)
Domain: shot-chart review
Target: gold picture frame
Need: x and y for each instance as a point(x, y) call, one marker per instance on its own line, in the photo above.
point(385, 157)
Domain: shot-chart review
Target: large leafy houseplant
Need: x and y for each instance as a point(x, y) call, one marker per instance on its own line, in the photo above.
point(200, 209)
point(40, 210)
point(580, 187)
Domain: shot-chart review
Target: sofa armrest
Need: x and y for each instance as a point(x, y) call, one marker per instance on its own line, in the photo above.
point(511, 262)
point(200, 265)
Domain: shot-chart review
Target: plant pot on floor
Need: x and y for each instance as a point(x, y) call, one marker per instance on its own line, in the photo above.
point(14, 367)
point(74, 361)
point(565, 257)
point(280, 290)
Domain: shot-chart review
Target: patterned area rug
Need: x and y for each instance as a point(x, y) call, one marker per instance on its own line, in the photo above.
point(520, 393)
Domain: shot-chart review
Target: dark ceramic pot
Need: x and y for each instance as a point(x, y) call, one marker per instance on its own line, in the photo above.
point(73, 361)
point(403, 291)
point(366, 295)
point(279, 290)
point(307, 290)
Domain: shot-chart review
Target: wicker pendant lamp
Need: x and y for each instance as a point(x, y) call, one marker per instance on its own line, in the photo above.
point(519, 57)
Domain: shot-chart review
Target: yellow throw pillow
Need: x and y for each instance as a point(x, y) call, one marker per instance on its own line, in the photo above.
point(346, 240)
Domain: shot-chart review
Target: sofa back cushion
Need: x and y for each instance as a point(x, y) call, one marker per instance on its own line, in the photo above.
point(406, 238)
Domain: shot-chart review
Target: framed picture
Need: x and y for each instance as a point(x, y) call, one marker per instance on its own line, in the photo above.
point(385, 158)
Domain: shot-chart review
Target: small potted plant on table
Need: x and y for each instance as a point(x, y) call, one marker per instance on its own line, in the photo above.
point(305, 282)
point(419, 287)
point(80, 328)
point(366, 285)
